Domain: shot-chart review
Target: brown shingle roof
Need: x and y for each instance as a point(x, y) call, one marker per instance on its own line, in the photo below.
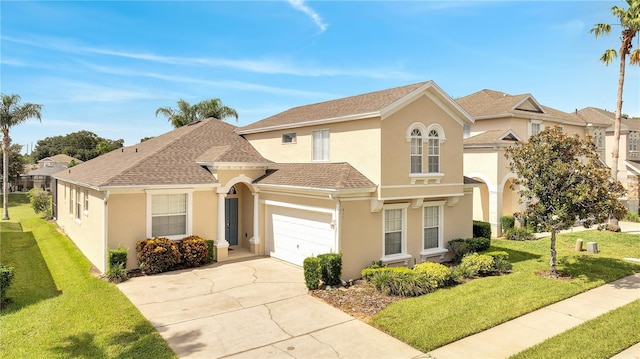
point(490, 103)
point(168, 159)
point(492, 137)
point(598, 115)
point(344, 107)
point(340, 175)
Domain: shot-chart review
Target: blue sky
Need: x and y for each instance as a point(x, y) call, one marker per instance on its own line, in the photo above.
point(107, 66)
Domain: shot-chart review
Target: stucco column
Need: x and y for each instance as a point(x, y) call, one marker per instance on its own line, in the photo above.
point(222, 246)
point(255, 240)
point(495, 211)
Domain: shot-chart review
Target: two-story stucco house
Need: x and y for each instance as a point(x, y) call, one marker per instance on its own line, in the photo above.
point(501, 120)
point(628, 150)
point(377, 176)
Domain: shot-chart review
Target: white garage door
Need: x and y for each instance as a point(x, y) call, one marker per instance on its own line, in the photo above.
point(297, 234)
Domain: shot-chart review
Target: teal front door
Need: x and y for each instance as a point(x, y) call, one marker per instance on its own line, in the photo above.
point(231, 220)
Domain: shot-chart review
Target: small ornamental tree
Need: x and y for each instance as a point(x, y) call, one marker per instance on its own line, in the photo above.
point(562, 180)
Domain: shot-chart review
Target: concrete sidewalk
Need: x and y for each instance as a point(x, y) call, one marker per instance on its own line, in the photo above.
point(516, 335)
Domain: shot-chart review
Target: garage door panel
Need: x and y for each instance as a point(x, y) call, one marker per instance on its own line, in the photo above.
point(297, 234)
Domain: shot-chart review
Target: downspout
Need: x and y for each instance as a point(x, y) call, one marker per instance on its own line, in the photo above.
point(105, 232)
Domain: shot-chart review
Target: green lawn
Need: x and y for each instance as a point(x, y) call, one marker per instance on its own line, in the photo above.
point(439, 318)
point(58, 309)
point(601, 337)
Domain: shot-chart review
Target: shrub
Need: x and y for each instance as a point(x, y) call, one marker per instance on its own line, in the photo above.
point(458, 247)
point(116, 273)
point(211, 250)
point(403, 283)
point(156, 255)
point(478, 244)
point(369, 273)
point(40, 201)
point(194, 251)
point(519, 234)
point(331, 267)
point(501, 262)
point(312, 272)
point(473, 264)
point(440, 274)
point(507, 222)
point(117, 256)
point(6, 277)
point(481, 229)
point(632, 217)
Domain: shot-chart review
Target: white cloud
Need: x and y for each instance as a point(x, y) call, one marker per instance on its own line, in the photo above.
point(300, 5)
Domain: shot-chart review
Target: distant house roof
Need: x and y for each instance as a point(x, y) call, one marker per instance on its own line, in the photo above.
point(168, 159)
point(61, 158)
point(486, 104)
point(598, 115)
point(493, 137)
point(373, 104)
point(46, 170)
point(340, 176)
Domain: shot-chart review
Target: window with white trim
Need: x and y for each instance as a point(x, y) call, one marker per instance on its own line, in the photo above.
point(393, 231)
point(78, 204)
point(86, 200)
point(320, 144)
point(433, 164)
point(289, 138)
point(633, 141)
point(598, 138)
point(535, 126)
point(169, 215)
point(466, 131)
point(432, 232)
point(416, 151)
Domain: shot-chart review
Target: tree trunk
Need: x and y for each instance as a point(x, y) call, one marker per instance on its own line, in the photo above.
point(6, 140)
point(552, 262)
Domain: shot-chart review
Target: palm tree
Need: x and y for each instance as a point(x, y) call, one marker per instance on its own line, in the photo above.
point(12, 114)
point(187, 113)
point(630, 23)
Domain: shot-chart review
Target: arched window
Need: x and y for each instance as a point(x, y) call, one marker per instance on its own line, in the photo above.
point(416, 151)
point(433, 156)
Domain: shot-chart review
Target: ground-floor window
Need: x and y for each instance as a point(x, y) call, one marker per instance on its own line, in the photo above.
point(169, 215)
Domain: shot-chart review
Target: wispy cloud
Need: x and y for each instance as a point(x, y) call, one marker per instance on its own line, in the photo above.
point(301, 6)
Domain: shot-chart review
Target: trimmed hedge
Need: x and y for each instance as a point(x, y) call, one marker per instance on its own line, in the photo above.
point(439, 273)
point(312, 272)
point(331, 268)
point(117, 256)
point(6, 277)
point(459, 247)
point(156, 255)
point(194, 251)
point(520, 234)
point(475, 264)
point(481, 229)
point(507, 222)
point(211, 249)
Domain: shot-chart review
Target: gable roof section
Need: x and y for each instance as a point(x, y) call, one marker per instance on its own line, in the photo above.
point(493, 138)
point(60, 158)
point(374, 104)
point(48, 170)
point(168, 159)
point(599, 116)
point(328, 176)
point(487, 104)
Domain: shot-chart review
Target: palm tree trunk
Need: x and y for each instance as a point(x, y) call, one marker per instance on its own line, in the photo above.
point(615, 152)
point(5, 175)
point(553, 272)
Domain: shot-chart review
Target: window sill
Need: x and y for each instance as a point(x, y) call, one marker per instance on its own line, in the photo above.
point(396, 258)
point(425, 177)
point(434, 252)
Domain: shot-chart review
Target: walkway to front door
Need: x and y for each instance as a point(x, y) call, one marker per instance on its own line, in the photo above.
point(257, 308)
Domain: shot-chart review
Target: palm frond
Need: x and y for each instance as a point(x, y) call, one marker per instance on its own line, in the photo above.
point(608, 56)
point(600, 29)
point(634, 59)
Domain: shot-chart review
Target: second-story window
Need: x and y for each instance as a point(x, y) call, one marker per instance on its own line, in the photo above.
point(320, 150)
point(289, 138)
point(633, 141)
point(433, 165)
point(416, 151)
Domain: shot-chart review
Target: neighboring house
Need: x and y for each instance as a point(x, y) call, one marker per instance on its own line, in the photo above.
point(629, 155)
point(41, 175)
point(377, 176)
point(501, 120)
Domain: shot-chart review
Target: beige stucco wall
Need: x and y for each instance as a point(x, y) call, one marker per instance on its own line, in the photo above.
point(87, 232)
point(355, 142)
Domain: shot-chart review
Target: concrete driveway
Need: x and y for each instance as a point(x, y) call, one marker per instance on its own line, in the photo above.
point(256, 308)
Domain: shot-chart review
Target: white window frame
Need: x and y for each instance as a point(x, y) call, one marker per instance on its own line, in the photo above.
point(433, 138)
point(633, 141)
point(86, 201)
point(440, 249)
point(466, 130)
point(189, 205)
point(535, 122)
point(320, 144)
point(70, 202)
point(78, 204)
point(289, 138)
point(416, 150)
point(402, 256)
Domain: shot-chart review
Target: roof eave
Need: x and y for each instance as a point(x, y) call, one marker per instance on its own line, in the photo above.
point(359, 116)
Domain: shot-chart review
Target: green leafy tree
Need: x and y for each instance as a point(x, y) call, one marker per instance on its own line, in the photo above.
point(629, 21)
point(561, 180)
point(16, 162)
point(83, 145)
point(12, 113)
point(186, 113)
